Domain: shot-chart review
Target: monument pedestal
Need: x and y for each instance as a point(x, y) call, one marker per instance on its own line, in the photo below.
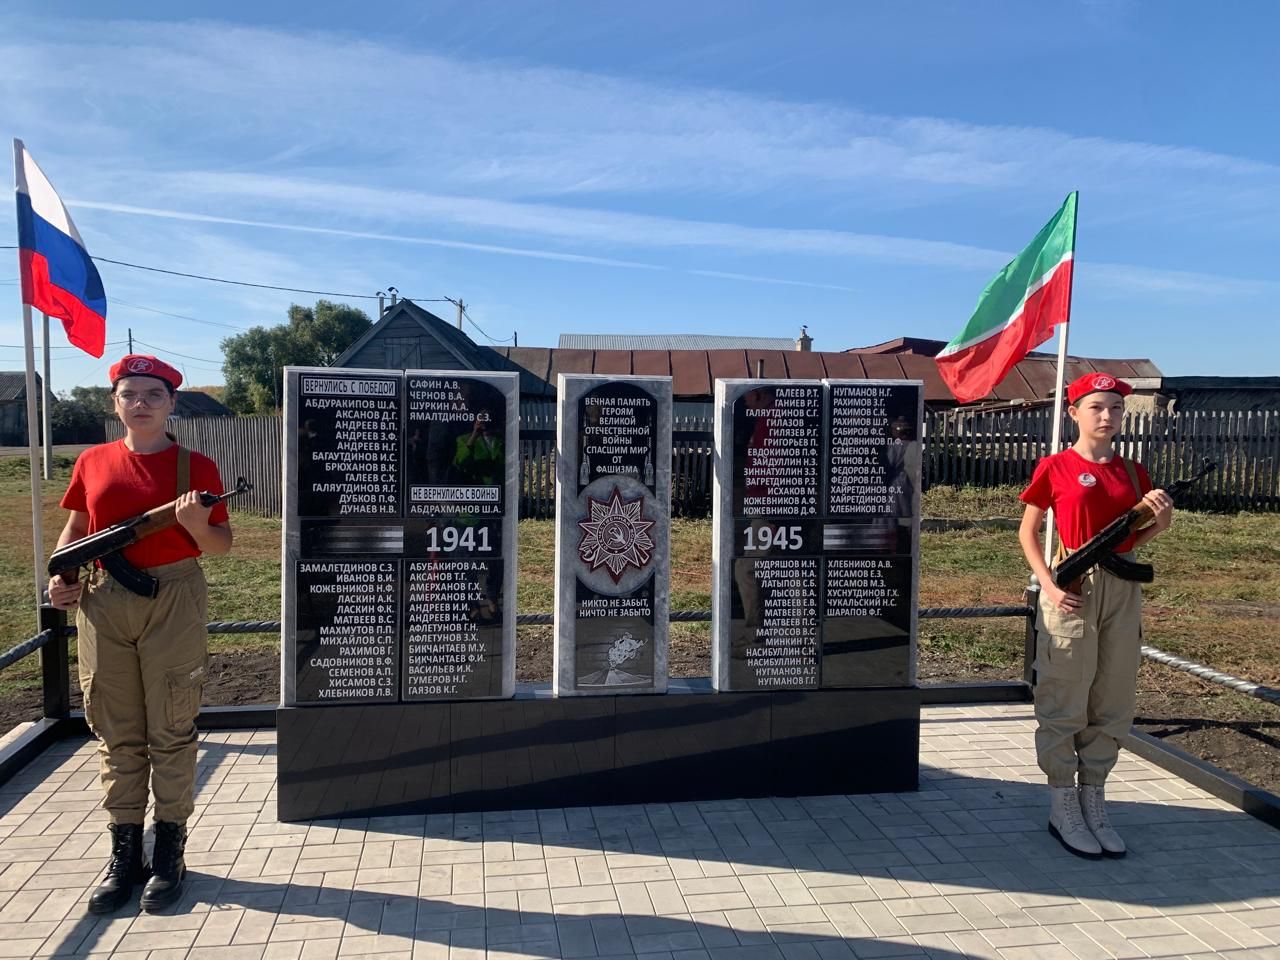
point(538, 751)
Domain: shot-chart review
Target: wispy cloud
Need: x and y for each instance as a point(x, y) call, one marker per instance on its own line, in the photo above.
point(353, 203)
point(326, 160)
point(726, 275)
point(1128, 280)
point(571, 224)
point(361, 234)
point(327, 101)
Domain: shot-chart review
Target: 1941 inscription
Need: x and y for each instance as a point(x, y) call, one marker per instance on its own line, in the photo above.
point(398, 536)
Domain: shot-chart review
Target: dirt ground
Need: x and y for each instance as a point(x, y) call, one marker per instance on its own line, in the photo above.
point(1236, 733)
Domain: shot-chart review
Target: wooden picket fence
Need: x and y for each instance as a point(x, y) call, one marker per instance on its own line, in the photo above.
point(692, 459)
point(961, 448)
point(975, 448)
point(248, 447)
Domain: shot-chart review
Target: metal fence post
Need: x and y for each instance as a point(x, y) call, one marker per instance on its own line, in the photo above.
point(1032, 598)
point(55, 664)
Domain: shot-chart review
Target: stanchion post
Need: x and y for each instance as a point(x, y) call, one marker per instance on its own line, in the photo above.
point(1032, 599)
point(55, 664)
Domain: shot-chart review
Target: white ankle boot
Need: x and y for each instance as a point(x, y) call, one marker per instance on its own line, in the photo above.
point(1066, 822)
point(1094, 806)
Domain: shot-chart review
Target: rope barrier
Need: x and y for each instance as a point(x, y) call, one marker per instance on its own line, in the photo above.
point(25, 648)
point(971, 613)
point(524, 619)
point(1247, 687)
point(1238, 684)
point(244, 626)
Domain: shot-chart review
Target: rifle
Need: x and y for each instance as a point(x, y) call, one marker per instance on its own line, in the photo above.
point(1100, 550)
point(105, 545)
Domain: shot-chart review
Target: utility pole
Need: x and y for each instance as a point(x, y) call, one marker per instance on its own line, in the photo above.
point(275, 378)
point(462, 307)
point(131, 339)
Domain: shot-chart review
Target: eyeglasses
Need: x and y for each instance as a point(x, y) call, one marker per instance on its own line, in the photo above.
point(151, 398)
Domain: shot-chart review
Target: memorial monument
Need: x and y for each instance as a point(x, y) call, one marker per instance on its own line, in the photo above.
point(399, 612)
point(816, 534)
point(399, 536)
point(613, 533)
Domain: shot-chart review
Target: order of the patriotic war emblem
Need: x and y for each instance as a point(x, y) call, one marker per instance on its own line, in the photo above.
point(616, 535)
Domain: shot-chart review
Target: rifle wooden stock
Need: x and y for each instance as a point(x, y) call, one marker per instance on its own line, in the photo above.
point(67, 561)
point(1069, 574)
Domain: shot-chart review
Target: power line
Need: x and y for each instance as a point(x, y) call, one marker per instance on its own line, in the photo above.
point(467, 316)
point(185, 356)
point(176, 316)
point(237, 283)
point(94, 372)
point(463, 307)
point(257, 286)
point(20, 346)
point(246, 283)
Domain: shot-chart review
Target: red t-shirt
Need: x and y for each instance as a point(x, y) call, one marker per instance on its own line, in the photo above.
point(1085, 496)
point(112, 483)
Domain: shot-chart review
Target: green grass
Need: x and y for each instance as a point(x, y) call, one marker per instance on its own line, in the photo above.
point(971, 503)
point(1216, 596)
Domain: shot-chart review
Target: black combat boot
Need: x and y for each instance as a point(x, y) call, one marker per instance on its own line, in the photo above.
point(125, 868)
point(167, 867)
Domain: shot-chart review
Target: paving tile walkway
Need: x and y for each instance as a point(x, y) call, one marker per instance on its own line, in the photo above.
point(962, 868)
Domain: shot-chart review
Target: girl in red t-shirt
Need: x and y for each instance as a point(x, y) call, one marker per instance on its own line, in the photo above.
point(143, 658)
point(1087, 643)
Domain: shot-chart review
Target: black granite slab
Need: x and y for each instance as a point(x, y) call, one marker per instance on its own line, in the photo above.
point(537, 751)
point(528, 753)
point(690, 747)
point(844, 741)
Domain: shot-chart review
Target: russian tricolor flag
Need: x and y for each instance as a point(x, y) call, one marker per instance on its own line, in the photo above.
point(58, 278)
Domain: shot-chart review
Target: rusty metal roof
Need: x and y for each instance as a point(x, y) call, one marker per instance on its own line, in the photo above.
point(694, 372)
point(671, 341)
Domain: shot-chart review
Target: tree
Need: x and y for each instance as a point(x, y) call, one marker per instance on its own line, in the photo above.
point(313, 337)
point(77, 417)
point(216, 392)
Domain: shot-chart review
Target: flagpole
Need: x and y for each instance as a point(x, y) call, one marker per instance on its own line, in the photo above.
point(33, 444)
point(46, 405)
point(1058, 391)
point(33, 423)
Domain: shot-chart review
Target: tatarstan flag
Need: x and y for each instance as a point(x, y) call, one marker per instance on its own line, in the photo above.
point(1017, 311)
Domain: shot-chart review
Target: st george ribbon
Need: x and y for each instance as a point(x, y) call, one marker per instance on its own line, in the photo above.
point(613, 525)
point(399, 535)
point(815, 543)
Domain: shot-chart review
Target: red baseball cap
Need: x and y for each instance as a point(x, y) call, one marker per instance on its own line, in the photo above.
point(1096, 383)
point(142, 365)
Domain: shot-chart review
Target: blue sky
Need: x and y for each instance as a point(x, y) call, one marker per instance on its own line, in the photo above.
point(710, 167)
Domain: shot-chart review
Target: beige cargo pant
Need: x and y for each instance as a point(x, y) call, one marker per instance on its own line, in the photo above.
point(1086, 680)
point(142, 666)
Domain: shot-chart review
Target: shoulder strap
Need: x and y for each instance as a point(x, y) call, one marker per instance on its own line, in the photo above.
point(1133, 475)
point(184, 470)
